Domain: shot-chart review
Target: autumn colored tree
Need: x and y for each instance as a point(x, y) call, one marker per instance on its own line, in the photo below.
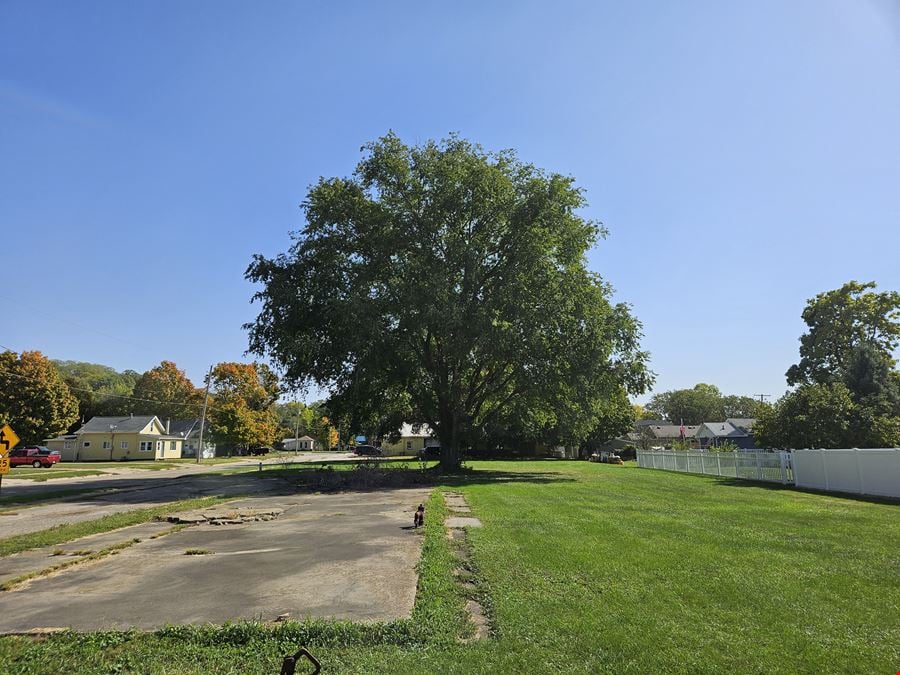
point(167, 393)
point(242, 412)
point(34, 398)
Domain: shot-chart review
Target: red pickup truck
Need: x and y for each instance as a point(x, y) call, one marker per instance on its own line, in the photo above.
point(35, 455)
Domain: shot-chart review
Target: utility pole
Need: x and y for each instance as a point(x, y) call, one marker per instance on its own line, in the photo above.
point(762, 397)
point(297, 429)
point(203, 416)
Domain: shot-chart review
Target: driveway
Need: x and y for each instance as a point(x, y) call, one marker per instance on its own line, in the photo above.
point(349, 556)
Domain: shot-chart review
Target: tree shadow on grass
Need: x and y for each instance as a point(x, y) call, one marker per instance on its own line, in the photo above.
point(143, 492)
point(372, 478)
point(781, 487)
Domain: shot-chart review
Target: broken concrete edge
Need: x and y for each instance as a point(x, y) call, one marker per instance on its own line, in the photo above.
point(234, 516)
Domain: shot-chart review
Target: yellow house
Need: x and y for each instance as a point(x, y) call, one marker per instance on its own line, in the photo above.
point(118, 438)
point(411, 440)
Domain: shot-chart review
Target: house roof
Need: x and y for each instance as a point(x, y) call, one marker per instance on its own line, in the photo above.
point(122, 424)
point(724, 430)
point(183, 428)
point(745, 423)
point(673, 430)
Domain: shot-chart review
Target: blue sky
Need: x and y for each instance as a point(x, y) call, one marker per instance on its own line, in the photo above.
point(744, 156)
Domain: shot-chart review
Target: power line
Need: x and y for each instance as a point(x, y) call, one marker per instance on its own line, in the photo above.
point(79, 325)
point(96, 393)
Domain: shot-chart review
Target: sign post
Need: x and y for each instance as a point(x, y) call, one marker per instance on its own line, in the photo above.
point(8, 440)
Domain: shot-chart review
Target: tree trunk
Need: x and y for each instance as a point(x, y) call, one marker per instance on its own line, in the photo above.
point(451, 458)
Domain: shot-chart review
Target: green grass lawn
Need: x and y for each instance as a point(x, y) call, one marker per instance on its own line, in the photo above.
point(589, 568)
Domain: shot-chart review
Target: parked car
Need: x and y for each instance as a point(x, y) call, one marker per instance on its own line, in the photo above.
point(259, 450)
point(36, 455)
point(430, 452)
point(367, 451)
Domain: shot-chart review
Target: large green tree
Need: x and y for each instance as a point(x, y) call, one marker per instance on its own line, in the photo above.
point(848, 392)
point(702, 403)
point(825, 416)
point(457, 276)
point(100, 390)
point(839, 321)
point(34, 399)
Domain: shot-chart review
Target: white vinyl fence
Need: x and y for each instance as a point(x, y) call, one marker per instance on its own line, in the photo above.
point(775, 467)
point(870, 472)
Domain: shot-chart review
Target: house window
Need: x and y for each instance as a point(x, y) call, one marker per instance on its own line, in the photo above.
point(409, 445)
point(124, 445)
point(158, 445)
point(67, 445)
point(107, 445)
point(86, 444)
point(171, 445)
point(146, 446)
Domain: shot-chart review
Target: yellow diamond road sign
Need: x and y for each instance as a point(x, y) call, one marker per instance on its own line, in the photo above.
point(4, 465)
point(8, 440)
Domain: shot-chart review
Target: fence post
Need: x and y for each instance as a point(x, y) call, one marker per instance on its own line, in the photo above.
point(758, 467)
point(783, 467)
point(734, 457)
point(718, 464)
point(702, 465)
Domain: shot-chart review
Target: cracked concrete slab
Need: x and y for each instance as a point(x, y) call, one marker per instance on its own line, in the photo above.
point(349, 556)
point(39, 559)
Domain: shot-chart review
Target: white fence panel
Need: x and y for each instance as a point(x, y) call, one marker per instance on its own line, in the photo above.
point(869, 471)
point(767, 466)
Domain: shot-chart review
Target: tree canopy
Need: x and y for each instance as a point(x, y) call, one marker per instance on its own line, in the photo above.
point(165, 391)
point(34, 399)
point(100, 390)
point(242, 412)
point(702, 403)
point(848, 389)
point(841, 320)
point(449, 284)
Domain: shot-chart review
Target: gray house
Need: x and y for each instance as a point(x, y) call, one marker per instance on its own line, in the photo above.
point(733, 430)
point(189, 431)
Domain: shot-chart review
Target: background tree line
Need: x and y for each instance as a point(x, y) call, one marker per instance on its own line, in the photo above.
point(701, 403)
point(41, 398)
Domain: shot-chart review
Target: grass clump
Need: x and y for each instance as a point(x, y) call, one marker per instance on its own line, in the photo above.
point(198, 551)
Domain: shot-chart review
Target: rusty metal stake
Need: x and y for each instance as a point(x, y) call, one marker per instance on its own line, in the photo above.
point(289, 665)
